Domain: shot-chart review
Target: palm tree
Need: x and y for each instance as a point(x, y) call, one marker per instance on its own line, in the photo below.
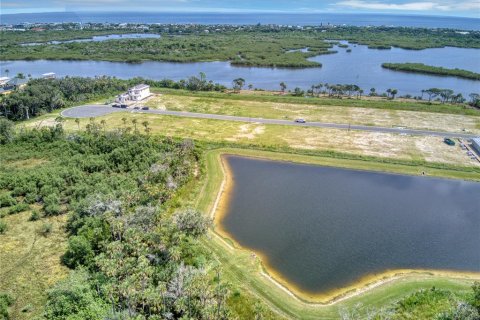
point(145, 124)
point(283, 86)
point(134, 122)
point(77, 121)
point(393, 93)
point(124, 121)
point(92, 119)
point(250, 86)
point(104, 123)
point(7, 72)
point(238, 84)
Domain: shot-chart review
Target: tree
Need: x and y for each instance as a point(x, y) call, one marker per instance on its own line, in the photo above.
point(238, 84)
point(191, 222)
point(77, 121)
point(74, 298)
point(7, 71)
point(124, 120)
point(297, 92)
point(79, 252)
point(474, 99)
point(145, 125)
point(283, 87)
point(20, 75)
point(104, 124)
point(393, 92)
point(373, 92)
point(250, 86)
point(134, 122)
point(432, 93)
point(7, 131)
point(446, 94)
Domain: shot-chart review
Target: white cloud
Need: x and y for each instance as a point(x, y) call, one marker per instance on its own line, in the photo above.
point(412, 6)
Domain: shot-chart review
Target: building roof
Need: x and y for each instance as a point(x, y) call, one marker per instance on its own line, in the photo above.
point(4, 78)
point(48, 74)
point(16, 82)
point(476, 140)
point(141, 87)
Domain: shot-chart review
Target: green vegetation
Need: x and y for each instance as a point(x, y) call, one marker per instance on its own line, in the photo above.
point(376, 103)
point(118, 190)
point(244, 45)
point(422, 68)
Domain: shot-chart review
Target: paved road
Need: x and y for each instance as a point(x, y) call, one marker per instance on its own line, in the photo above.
point(89, 111)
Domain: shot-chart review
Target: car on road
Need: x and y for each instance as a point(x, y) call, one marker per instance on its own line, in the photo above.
point(145, 108)
point(136, 108)
point(115, 105)
point(123, 106)
point(300, 120)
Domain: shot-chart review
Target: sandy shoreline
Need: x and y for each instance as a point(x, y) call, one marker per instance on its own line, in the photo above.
point(328, 298)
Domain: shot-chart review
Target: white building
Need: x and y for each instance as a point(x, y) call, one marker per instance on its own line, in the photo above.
point(139, 92)
point(476, 144)
point(4, 80)
point(49, 75)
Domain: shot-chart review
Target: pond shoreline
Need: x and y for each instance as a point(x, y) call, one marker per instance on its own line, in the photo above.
point(328, 298)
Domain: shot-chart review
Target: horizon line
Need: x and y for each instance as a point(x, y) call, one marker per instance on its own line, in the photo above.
point(248, 12)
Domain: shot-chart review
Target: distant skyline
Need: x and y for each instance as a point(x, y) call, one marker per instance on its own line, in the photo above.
point(465, 8)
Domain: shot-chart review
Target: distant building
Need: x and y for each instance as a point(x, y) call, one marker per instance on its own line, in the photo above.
point(476, 144)
point(137, 93)
point(13, 84)
point(4, 80)
point(49, 75)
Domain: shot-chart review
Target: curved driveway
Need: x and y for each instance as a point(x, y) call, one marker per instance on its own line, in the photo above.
point(94, 111)
point(88, 111)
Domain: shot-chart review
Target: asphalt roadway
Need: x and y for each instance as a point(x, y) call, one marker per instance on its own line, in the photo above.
point(96, 110)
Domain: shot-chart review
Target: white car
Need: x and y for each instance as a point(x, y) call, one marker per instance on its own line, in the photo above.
point(300, 120)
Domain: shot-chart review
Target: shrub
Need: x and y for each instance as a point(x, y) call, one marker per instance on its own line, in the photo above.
point(5, 302)
point(35, 215)
point(6, 200)
point(191, 222)
point(79, 252)
point(46, 229)
point(74, 298)
point(7, 131)
point(21, 207)
point(3, 227)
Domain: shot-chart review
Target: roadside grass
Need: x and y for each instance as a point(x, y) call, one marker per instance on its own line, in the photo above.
point(30, 262)
point(315, 112)
point(245, 270)
point(365, 102)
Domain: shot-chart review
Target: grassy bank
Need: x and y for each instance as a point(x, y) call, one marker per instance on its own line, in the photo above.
point(245, 270)
point(425, 69)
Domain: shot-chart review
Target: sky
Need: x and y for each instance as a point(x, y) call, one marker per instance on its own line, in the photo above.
point(466, 8)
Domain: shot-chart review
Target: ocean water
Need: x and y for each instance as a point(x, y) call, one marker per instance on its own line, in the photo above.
point(250, 18)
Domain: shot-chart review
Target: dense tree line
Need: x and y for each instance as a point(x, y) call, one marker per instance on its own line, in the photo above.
point(133, 255)
point(425, 69)
point(40, 96)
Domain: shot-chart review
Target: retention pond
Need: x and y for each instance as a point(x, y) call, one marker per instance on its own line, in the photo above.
point(321, 229)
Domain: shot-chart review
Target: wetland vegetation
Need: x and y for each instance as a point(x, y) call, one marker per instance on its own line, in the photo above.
point(422, 68)
point(268, 46)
